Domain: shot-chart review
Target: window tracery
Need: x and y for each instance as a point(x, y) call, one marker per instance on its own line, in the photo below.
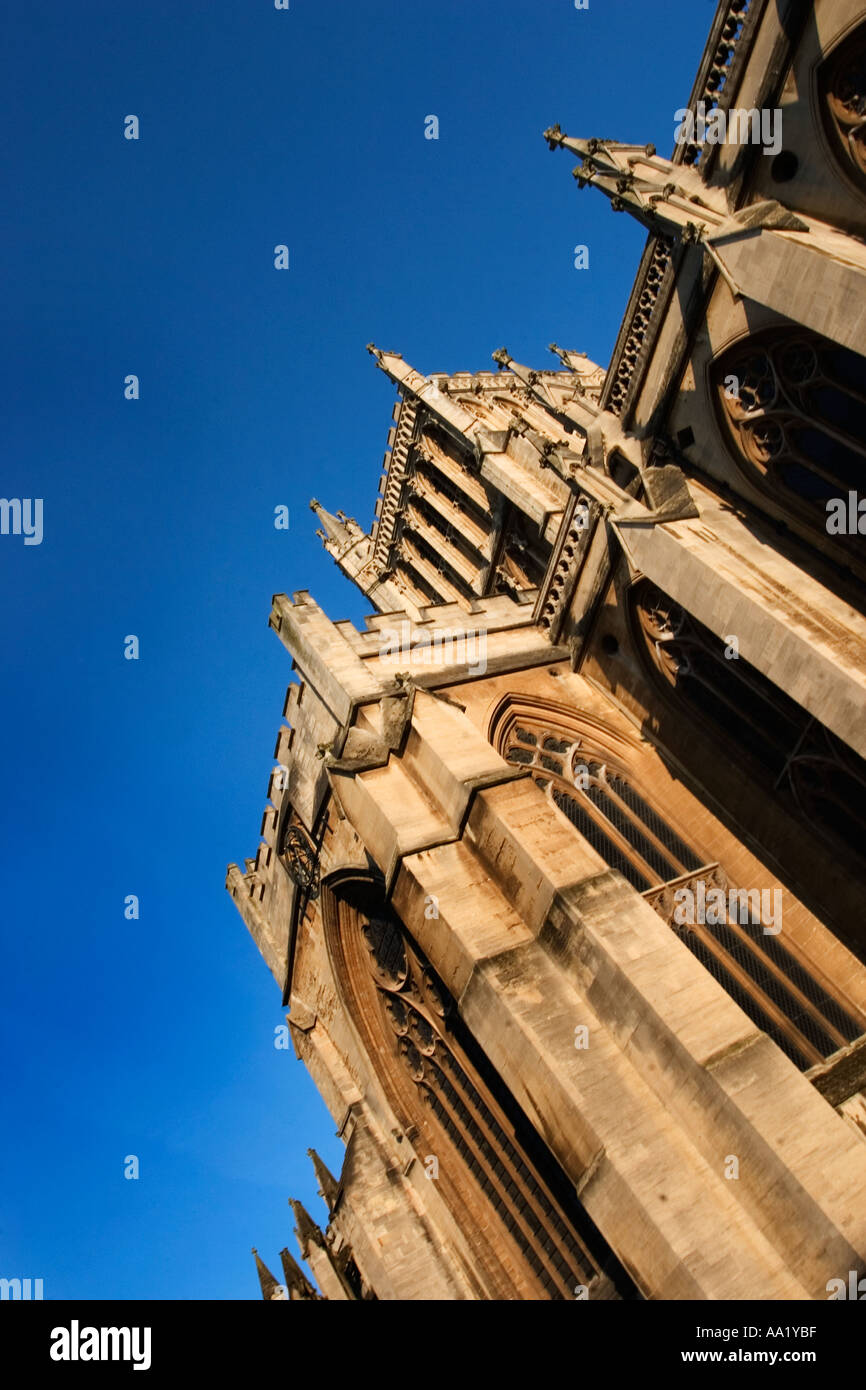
point(821, 778)
point(465, 1111)
point(842, 86)
point(793, 408)
point(599, 795)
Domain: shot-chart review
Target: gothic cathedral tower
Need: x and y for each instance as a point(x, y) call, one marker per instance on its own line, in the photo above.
point(562, 862)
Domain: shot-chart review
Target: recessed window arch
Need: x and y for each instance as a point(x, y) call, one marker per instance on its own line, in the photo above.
point(599, 797)
point(528, 1230)
point(792, 407)
point(586, 769)
point(821, 778)
point(842, 94)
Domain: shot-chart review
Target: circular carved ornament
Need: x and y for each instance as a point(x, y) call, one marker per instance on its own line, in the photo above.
point(302, 860)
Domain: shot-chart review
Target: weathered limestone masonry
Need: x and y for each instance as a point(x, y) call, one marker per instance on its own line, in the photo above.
point(561, 864)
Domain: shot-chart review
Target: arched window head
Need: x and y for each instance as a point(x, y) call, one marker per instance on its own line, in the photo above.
point(494, 1171)
point(585, 770)
point(793, 409)
point(801, 760)
point(600, 799)
point(842, 87)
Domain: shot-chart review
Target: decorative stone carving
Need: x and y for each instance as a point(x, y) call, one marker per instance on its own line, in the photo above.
point(301, 859)
point(639, 326)
point(794, 411)
point(423, 1018)
point(714, 76)
point(843, 88)
point(772, 984)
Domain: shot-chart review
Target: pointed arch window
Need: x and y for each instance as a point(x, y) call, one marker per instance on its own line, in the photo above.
point(820, 778)
point(511, 1198)
point(601, 801)
point(592, 784)
point(842, 87)
point(792, 406)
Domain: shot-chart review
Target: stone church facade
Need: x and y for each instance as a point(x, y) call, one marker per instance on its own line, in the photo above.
point(561, 865)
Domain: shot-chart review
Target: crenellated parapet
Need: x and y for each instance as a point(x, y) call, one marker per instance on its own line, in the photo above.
point(349, 710)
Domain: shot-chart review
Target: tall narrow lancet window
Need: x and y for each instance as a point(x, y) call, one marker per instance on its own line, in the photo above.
point(793, 409)
point(505, 1188)
point(842, 88)
point(575, 762)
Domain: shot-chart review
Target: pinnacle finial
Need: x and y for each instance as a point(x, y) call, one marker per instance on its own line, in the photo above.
point(661, 195)
point(328, 1184)
point(296, 1279)
point(564, 355)
point(567, 356)
point(306, 1228)
point(270, 1288)
point(379, 353)
point(528, 375)
point(338, 532)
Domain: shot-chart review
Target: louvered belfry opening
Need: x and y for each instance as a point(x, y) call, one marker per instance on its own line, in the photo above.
point(768, 980)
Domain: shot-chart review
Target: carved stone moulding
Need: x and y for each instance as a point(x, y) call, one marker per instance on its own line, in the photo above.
point(638, 337)
point(842, 89)
point(792, 407)
point(301, 858)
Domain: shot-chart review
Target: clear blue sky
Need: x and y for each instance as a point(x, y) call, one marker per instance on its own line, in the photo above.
point(257, 127)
